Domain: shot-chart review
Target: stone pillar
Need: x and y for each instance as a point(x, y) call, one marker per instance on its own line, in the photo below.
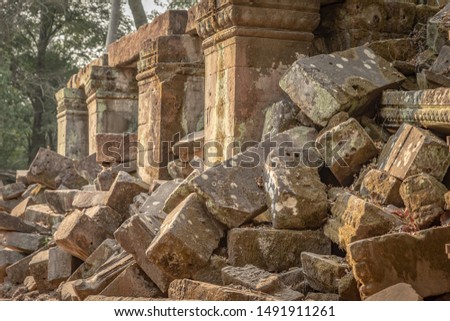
point(73, 132)
point(248, 45)
point(171, 100)
point(112, 101)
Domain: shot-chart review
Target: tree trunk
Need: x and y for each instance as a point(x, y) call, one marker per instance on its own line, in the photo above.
point(114, 21)
point(137, 9)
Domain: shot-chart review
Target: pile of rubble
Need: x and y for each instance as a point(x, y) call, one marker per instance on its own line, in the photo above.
point(345, 197)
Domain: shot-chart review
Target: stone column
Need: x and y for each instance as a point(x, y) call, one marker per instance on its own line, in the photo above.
point(112, 101)
point(171, 100)
point(248, 45)
point(73, 132)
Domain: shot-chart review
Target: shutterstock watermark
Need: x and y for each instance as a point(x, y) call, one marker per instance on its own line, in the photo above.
point(271, 151)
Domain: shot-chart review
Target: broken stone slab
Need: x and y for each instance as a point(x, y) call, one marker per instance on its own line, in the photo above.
point(383, 261)
point(427, 108)
point(116, 148)
point(348, 81)
point(439, 74)
point(355, 219)
point(437, 33)
point(37, 192)
point(193, 233)
point(39, 271)
point(7, 258)
point(22, 242)
point(87, 199)
point(61, 265)
point(295, 195)
point(240, 197)
point(60, 201)
point(122, 192)
point(397, 292)
point(42, 215)
point(105, 179)
point(323, 272)
point(12, 191)
point(8, 206)
point(339, 118)
point(80, 233)
point(12, 223)
point(132, 282)
point(382, 188)
point(199, 291)
point(88, 168)
point(345, 148)
point(260, 247)
point(212, 272)
point(183, 190)
point(280, 117)
point(259, 280)
point(189, 146)
point(424, 197)
point(80, 289)
point(412, 151)
point(52, 170)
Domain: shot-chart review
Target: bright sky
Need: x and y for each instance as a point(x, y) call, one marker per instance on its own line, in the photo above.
point(149, 5)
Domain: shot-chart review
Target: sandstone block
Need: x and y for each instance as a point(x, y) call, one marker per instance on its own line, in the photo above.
point(22, 242)
point(60, 201)
point(88, 168)
point(437, 33)
point(7, 258)
point(189, 146)
point(19, 210)
point(398, 292)
point(42, 215)
point(12, 223)
point(61, 265)
point(116, 148)
point(280, 117)
point(86, 199)
point(381, 188)
point(12, 191)
point(39, 271)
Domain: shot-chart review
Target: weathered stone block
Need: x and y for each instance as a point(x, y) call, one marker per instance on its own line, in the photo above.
point(295, 195)
point(116, 148)
point(280, 117)
point(122, 192)
point(52, 170)
point(212, 272)
point(428, 108)
point(240, 197)
point(86, 199)
point(345, 148)
point(8, 206)
point(354, 219)
point(381, 188)
point(323, 272)
point(22, 242)
point(260, 247)
point(19, 210)
point(12, 191)
point(192, 234)
point(60, 201)
point(424, 197)
point(183, 190)
point(190, 146)
point(7, 258)
point(412, 151)
point(88, 168)
point(42, 215)
point(437, 32)
point(384, 261)
point(12, 223)
point(348, 81)
point(61, 265)
point(178, 169)
point(39, 271)
point(132, 282)
point(259, 280)
point(199, 291)
point(398, 292)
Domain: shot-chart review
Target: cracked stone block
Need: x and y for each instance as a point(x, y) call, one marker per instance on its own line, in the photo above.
point(61, 265)
point(123, 191)
point(412, 151)
point(295, 195)
point(60, 201)
point(437, 32)
point(323, 272)
point(185, 242)
point(12, 191)
point(355, 219)
point(261, 247)
point(86, 199)
point(381, 188)
point(7, 258)
point(199, 291)
point(12, 223)
point(132, 282)
point(424, 197)
point(39, 271)
point(345, 148)
point(42, 215)
point(116, 148)
point(241, 195)
point(383, 261)
point(280, 117)
point(80, 233)
point(397, 292)
point(52, 170)
point(189, 146)
point(22, 242)
point(349, 81)
point(259, 280)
